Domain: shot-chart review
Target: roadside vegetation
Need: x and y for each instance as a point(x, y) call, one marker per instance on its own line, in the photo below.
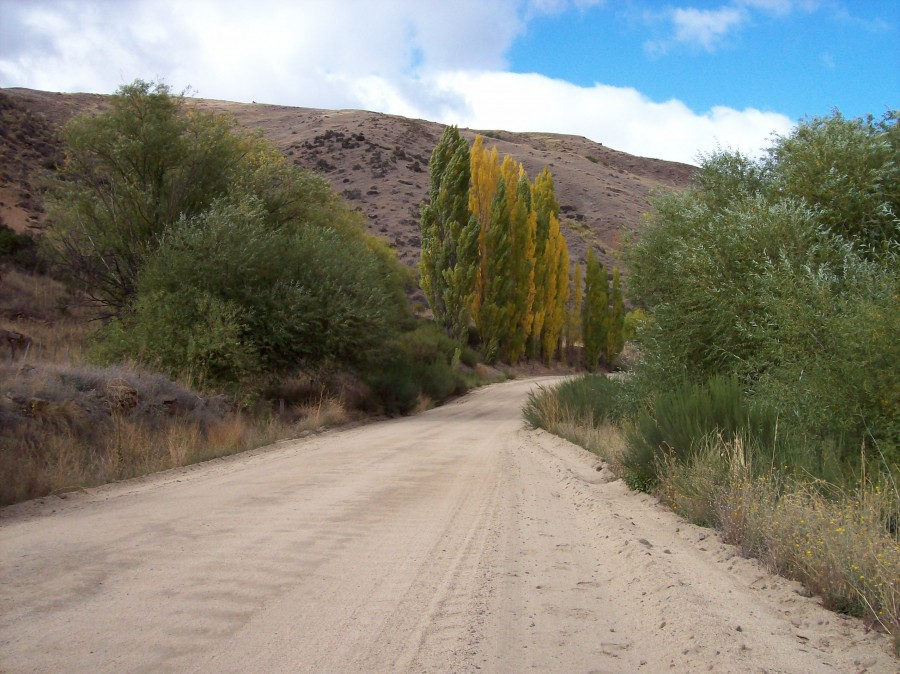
point(766, 401)
point(196, 294)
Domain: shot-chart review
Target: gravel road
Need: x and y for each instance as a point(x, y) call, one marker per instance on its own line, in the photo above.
point(452, 541)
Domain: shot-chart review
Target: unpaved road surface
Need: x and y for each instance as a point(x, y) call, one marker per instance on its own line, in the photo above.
point(453, 541)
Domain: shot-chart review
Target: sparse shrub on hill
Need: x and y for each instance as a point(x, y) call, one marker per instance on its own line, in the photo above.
point(19, 249)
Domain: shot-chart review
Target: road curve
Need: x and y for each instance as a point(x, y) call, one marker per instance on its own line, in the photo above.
point(452, 541)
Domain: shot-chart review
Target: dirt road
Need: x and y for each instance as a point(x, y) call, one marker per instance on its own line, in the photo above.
point(453, 541)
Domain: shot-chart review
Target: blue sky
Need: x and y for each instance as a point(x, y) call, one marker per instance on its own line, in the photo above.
point(660, 79)
point(800, 59)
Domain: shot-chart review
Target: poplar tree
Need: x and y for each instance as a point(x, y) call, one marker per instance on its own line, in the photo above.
point(444, 216)
point(556, 257)
point(545, 206)
point(492, 251)
point(523, 221)
point(495, 309)
point(594, 310)
point(485, 174)
point(573, 320)
point(615, 330)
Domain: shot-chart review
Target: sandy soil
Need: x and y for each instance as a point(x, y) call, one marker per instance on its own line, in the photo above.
point(453, 541)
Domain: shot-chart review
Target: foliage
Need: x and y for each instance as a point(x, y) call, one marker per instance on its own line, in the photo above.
point(846, 171)
point(415, 367)
point(594, 322)
point(449, 259)
point(839, 542)
point(503, 263)
point(20, 249)
point(573, 315)
point(615, 323)
point(783, 273)
point(132, 173)
point(592, 399)
point(675, 423)
point(832, 364)
point(225, 300)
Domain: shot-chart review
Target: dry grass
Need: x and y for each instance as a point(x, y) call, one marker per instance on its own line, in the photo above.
point(606, 440)
point(48, 313)
point(841, 543)
point(66, 427)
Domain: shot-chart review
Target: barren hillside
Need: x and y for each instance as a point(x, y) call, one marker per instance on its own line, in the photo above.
point(378, 162)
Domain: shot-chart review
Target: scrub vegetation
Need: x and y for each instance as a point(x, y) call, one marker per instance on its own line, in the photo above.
point(766, 401)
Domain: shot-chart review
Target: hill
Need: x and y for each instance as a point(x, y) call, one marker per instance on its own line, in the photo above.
point(378, 162)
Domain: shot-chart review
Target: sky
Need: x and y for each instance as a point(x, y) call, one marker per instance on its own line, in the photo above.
point(671, 80)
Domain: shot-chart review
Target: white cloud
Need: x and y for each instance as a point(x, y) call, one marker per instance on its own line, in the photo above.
point(440, 61)
point(619, 117)
point(706, 27)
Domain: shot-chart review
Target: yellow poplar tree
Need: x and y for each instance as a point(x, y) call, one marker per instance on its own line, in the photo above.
point(484, 174)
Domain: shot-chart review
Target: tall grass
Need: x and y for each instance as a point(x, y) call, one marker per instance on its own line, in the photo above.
point(584, 410)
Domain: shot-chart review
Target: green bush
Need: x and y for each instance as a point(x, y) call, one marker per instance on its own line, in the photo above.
point(831, 367)
point(415, 364)
point(676, 423)
point(228, 300)
point(783, 273)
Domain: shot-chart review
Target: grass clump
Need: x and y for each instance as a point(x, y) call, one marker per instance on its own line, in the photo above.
point(668, 430)
point(584, 410)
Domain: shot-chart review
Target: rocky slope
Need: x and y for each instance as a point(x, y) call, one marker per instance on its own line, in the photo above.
point(378, 162)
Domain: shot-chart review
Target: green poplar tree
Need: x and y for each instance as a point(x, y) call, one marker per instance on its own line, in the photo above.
point(615, 324)
point(573, 319)
point(594, 311)
point(448, 261)
point(498, 281)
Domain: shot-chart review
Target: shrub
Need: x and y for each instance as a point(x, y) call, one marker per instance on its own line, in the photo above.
point(227, 300)
point(671, 428)
point(783, 273)
point(841, 543)
point(412, 366)
point(20, 249)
